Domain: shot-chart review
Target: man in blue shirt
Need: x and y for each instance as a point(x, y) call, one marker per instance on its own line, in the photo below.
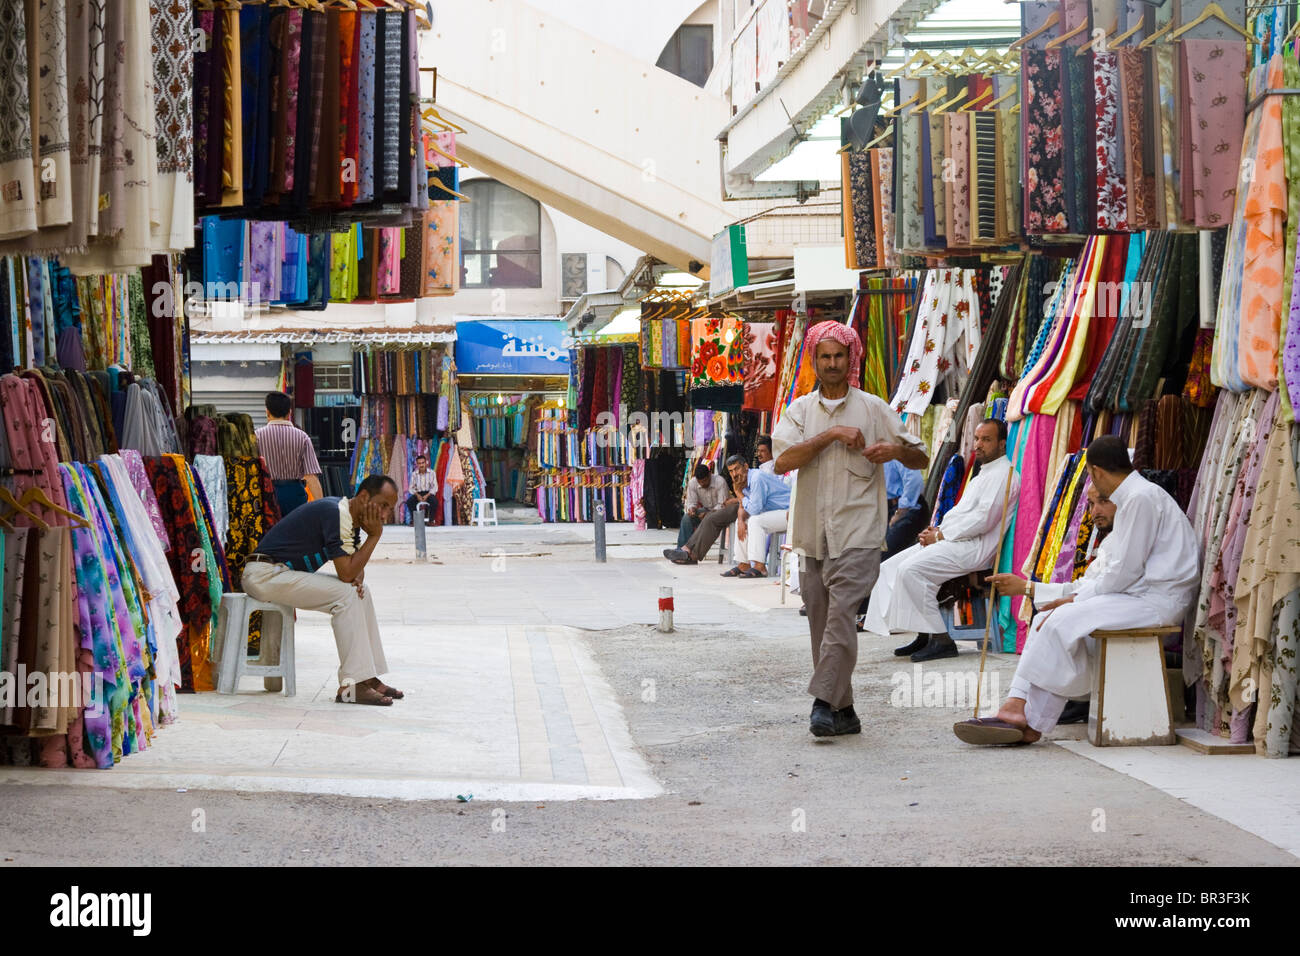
point(764, 508)
point(908, 515)
point(283, 571)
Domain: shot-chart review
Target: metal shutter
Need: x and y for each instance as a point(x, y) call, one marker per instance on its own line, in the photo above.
point(249, 402)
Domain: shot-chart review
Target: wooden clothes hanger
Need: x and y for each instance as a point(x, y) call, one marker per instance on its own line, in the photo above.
point(36, 496)
point(7, 498)
point(1215, 11)
point(1104, 39)
point(1126, 34)
point(1059, 41)
point(1155, 36)
point(885, 135)
point(895, 110)
point(952, 102)
point(431, 113)
point(968, 106)
point(1015, 88)
point(1050, 22)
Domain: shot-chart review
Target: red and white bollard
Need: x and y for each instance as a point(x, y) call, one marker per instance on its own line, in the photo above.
point(665, 610)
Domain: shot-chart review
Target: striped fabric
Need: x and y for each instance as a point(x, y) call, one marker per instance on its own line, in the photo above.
point(287, 450)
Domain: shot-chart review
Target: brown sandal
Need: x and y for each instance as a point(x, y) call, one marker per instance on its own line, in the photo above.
point(361, 694)
point(387, 691)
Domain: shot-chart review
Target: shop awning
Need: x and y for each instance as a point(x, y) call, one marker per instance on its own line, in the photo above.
point(361, 337)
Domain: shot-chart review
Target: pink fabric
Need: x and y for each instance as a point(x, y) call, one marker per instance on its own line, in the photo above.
point(845, 336)
point(1033, 478)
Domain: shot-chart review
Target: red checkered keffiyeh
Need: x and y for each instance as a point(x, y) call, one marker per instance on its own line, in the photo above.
point(845, 336)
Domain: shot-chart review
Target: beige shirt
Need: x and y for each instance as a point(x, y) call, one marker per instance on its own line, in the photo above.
point(710, 498)
point(840, 499)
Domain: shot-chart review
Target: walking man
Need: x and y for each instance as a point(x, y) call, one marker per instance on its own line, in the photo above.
point(281, 571)
point(838, 437)
point(289, 455)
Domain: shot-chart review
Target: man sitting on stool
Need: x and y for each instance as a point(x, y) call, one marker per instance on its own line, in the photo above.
point(423, 486)
point(906, 596)
point(1146, 575)
point(1048, 596)
point(282, 571)
point(763, 511)
point(705, 492)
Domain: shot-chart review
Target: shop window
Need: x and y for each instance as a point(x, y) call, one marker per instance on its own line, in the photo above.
point(333, 376)
point(689, 54)
point(500, 237)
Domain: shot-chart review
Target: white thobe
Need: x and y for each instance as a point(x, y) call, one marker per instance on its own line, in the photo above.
point(1146, 574)
point(905, 597)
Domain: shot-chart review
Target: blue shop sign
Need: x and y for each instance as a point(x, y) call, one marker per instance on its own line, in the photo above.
point(505, 347)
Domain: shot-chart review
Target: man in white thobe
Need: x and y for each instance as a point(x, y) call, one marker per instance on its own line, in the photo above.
point(1146, 574)
point(906, 597)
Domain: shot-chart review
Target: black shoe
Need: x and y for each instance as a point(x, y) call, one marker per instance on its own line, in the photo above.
point(846, 722)
point(822, 721)
point(938, 647)
point(909, 649)
point(679, 556)
point(1076, 712)
point(803, 610)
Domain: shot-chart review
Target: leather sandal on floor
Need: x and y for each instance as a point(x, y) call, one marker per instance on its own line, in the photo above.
point(392, 692)
point(359, 694)
point(733, 573)
point(989, 730)
point(752, 573)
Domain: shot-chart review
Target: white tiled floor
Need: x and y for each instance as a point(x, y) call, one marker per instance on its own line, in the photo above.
point(1259, 795)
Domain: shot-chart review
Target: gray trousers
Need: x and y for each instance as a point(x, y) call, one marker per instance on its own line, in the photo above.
point(709, 528)
point(832, 589)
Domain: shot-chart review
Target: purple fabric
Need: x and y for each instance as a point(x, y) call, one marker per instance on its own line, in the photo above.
point(140, 481)
point(1291, 349)
point(1064, 569)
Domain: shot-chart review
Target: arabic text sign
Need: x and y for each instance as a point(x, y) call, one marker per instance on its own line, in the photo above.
point(512, 347)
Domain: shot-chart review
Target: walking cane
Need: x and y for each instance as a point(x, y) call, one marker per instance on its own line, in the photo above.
point(993, 589)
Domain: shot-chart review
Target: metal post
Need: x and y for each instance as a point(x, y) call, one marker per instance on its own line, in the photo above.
point(417, 519)
point(665, 610)
point(598, 519)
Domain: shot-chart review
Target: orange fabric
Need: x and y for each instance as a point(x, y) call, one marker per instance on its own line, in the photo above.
point(1262, 273)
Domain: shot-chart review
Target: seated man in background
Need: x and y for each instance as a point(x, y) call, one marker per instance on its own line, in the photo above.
point(906, 596)
point(764, 509)
point(281, 571)
point(1146, 575)
point(764, 455)
point(908, 514)
point(705, 492)
point(706, 532)
point(423, 486)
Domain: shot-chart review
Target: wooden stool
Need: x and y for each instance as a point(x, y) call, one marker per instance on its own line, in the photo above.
point(1130, 694)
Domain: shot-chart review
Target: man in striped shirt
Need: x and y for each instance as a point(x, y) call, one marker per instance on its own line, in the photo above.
point(289, 455)
point(423, 486)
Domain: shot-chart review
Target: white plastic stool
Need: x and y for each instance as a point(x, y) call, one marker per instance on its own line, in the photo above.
point(232, 628)
point(485, 512)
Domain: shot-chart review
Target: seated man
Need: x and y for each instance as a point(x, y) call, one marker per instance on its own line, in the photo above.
point(706, 532)
point(423, 486)
point(1048, 596)
point(764, 508)
point(1146, 574)
point(281, 572)
point(906, 596)
point(764, 454)
point(908, 513)
point(705, 492)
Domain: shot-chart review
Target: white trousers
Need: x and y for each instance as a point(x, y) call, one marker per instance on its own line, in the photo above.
point(1060, 652)
point(758, 528)
point(1042, 707)
point(356, 631)
point(906, 597)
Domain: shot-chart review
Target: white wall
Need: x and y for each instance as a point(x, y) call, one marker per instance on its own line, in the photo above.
point(638, 28)
point(560, 234)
